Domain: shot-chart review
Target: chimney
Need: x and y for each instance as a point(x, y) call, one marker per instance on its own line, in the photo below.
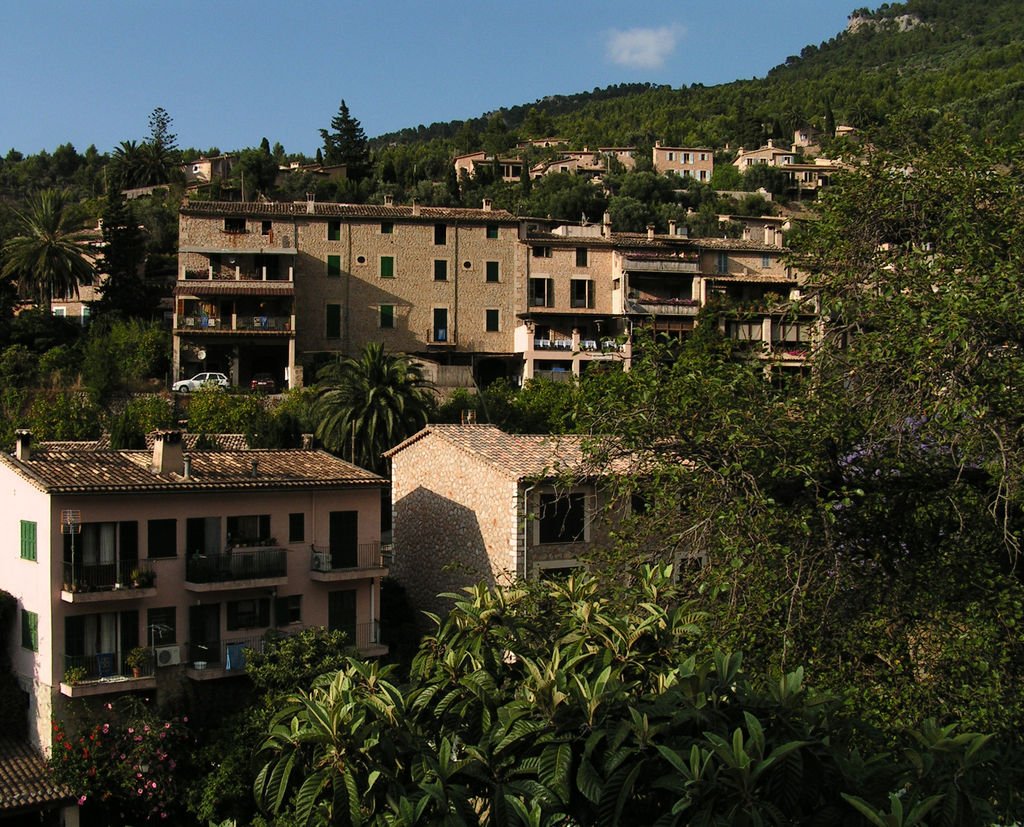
point(307, 442)
point(487, 204)
point(415, 207)
point(769, 234)
point(671, 226)
point(255, 467)
point(606, 225)
point(650, 232)
point(657, 144)
point(23, 445)
point(310, 201)
point(168, 457)
point(771, 144)
point(746, 233)
point(188, 467)
point(389, 200)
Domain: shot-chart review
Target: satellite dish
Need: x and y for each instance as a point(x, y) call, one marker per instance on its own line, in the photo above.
point(202, 355)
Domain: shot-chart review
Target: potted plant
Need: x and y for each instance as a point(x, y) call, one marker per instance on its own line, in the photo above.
point(143, 578)
point(74, 674)
point(139, 658)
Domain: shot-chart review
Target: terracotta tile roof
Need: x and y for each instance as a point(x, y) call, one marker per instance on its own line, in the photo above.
point(215, 442)
point(99, 471)
point(518, 455)
point(25, 780)
point(298, 209)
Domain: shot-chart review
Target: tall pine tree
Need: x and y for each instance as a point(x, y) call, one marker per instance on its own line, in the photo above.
point(346, 144)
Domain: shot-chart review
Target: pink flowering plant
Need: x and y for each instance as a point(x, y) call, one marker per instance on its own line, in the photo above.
point(121, 761)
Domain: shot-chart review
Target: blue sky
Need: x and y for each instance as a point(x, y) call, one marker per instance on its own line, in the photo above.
point(231, 72)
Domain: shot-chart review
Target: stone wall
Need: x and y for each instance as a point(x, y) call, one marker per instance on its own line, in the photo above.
point(455, 522)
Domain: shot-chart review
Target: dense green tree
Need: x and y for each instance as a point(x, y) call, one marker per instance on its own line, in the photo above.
point(553, 705)
point(125, 292)
point(366, 405)
point(44, 259)
point(346, 144)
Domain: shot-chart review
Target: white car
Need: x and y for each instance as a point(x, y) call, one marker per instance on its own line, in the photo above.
point(216, 380)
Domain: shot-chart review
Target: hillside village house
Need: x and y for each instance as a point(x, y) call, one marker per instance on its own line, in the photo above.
point(688, 162)
point(473, 294)
point(473, 503)
point(173, 562)
point(263, 287)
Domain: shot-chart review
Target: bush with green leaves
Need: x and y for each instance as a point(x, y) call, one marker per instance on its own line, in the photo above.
point(139, 416)
point(551, 705)
point(214, 411)
point(64, 416)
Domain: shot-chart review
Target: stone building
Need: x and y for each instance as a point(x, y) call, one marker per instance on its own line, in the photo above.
point(266, 287)
point(473, 503)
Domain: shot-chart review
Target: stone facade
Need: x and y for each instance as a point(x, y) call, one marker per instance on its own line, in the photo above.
point(468, 506)
point(264, 287)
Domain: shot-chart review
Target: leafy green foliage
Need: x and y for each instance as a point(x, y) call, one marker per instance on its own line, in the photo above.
point(551, 705)
point(214, 411)
point(43, 259)
point(63, 416)
point(367, 405)
point(138, 417)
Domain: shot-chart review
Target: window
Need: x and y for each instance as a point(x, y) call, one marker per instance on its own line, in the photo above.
point(60, 312)
point(387, 227)
point(671, 156)
point(161, 626)
point(296, 527)
point(234, 225)
point(440, 269)
point(723, 262)
point(162, 539)
point(28, 540)
point(387, 267)
point(29, 630)
point(333, 265)
point(542, 293)
point(492, 230)
point(334, 231)
point(582, 292)
point(248, 528)
point(333, 321)
point(492, 271)
point(288, 610)
point(556, 570)
point(492, 321)
point(703, 156)
point(387, 317)
point(248, 614)
point(441, 324)
point(766, 260)
point(440, 233)
point(687, 158)
point(561, 518)
point(266, 228)
point(581, 256)
point(542, 252)
point(743, 331)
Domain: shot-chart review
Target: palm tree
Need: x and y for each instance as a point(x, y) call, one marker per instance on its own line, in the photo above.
point(366, 405)
point(44, 260)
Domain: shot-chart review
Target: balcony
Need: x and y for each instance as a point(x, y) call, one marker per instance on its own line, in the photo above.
point(102, 674)
point(94, 583)
point(664, 307)
point(662, 264)
point(207, 660)
point(236, 324)
point(441, 336)
point(237, 568)
point(350, 562)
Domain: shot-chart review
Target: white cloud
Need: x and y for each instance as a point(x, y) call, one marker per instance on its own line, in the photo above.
point(643, 48)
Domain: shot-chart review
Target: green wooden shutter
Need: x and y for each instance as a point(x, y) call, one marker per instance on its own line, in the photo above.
point(28, 540)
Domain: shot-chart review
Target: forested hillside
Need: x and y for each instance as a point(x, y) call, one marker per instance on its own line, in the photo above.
point(960, 57)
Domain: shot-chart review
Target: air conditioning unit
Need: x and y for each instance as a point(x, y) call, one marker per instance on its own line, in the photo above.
point(168, 655)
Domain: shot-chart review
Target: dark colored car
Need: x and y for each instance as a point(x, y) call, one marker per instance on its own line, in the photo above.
point(264, 382)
